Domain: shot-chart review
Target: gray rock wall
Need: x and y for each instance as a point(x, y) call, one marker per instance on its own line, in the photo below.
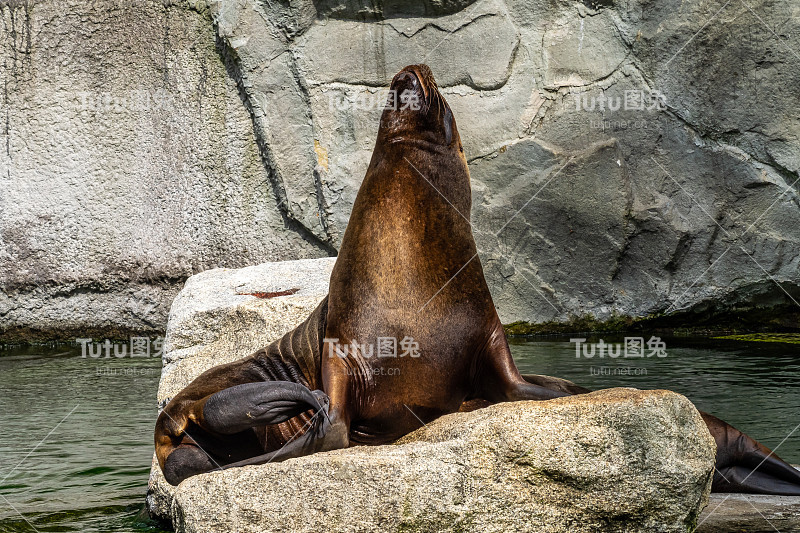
point(629, 158)
point(128, 163)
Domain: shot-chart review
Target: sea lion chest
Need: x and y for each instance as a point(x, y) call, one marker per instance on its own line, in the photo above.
point(409, 307)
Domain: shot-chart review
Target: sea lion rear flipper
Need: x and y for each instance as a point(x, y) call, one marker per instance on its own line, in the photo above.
point(186, 461)
point(325, 434)
point(237, 408)
point(744, 479)
point(745, 465)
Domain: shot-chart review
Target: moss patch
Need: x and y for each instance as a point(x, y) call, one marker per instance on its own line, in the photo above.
point(573, 325)
point(704, 321)
point(787, 338)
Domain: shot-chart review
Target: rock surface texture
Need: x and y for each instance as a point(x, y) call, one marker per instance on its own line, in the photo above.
point(620, 459)
point(628, 158)
point(615, 460)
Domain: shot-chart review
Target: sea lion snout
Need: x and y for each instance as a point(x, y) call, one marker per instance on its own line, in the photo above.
point(406, 87)
point(406, 83)
point(415, 78)
point(416, 103)
point(405, 77)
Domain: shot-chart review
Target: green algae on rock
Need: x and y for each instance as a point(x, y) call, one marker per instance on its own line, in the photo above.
point(786, 338)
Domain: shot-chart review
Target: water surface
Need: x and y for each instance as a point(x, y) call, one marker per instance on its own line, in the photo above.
point(92, 420)
point(76, 433)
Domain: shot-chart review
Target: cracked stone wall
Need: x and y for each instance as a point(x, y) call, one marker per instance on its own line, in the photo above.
point(628, 157)
point(128, 163)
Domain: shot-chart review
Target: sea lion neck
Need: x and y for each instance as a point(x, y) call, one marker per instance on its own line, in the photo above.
point(420, 168)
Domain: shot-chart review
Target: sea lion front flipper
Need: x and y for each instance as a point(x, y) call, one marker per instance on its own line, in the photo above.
point(497, 378)
point(745, 465)
point(262, 403)
point(546, 382)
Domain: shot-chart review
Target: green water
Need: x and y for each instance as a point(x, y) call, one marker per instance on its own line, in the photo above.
point(94, 418)
point(90, 474)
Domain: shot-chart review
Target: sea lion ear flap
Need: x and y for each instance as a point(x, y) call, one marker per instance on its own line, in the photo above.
point(448, 125)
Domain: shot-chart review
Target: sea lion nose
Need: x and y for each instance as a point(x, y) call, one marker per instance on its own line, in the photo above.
point(405, 80)
point(403, 76)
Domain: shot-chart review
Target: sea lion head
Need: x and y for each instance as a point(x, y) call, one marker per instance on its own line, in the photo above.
point(416, 108)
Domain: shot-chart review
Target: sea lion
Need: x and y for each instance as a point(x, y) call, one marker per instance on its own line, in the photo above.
point(408, 278)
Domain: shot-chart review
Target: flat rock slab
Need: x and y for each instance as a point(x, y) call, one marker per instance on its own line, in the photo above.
point(732, 513)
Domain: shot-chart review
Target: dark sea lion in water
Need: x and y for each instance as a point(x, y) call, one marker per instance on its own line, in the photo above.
point(407, 270)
